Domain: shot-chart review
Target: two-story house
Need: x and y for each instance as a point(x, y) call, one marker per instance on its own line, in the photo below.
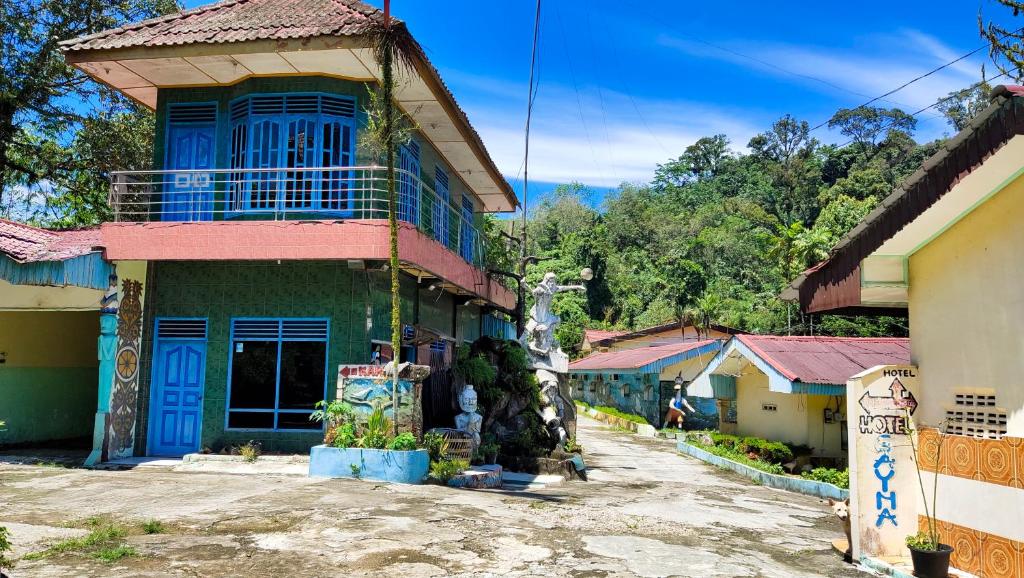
point(252, 261)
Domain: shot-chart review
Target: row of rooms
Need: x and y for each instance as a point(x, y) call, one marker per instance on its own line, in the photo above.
point(226, 353)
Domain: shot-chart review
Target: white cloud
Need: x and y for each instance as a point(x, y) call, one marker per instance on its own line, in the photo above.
point(618, 138)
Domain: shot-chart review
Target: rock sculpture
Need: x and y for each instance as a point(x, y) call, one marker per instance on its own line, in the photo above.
point(469, 421)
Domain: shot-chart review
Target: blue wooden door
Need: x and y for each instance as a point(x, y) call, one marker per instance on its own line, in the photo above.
point(189, 192)
point(408, 183)
point(177, 399)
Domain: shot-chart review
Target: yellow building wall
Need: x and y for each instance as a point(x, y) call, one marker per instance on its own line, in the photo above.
point(36, 298)
point(787, 424)
point(49, 378)
point(967, 308)
point(688, 369)
point(825, 438)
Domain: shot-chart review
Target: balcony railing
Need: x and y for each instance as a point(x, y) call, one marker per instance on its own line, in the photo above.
point(292, 193)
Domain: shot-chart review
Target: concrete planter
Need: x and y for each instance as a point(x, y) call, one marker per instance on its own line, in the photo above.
point(789, 483)
point(408, 467)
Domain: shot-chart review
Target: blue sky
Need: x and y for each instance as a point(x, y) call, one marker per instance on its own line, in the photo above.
point(626, 85)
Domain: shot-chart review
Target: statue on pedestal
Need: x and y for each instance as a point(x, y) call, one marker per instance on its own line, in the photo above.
point(469, 421)
point(546, 356)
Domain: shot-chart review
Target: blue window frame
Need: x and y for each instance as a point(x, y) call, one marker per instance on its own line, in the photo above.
point(468, 237)
point(297, 134)
point(277, 371)
point(190, 143)
point(408, 183)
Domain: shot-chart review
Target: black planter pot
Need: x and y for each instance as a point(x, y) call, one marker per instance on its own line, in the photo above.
point(931, 563)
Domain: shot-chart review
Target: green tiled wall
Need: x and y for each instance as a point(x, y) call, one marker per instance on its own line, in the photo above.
point(220, 291)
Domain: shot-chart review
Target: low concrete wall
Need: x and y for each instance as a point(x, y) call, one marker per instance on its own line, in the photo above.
point(792, 484)
point(404, 467)
point(642, 429)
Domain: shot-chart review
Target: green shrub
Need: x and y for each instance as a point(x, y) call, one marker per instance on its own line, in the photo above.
point(475, 369)
point(404, 442)
point(838, 478)
point(376, 435)
point(743, 458)
point(445, 470)
point(345, 436)
point(621, 414)
point(436, 444)
point(250, 452)
point(5, 546)
point(153, 527)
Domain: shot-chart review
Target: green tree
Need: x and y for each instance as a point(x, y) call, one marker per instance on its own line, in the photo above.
point(961, 106)
point(866, 124)
point(1006, 44)
point(43, 100)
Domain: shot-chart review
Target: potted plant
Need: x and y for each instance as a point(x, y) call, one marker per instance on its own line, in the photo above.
point(929, 555)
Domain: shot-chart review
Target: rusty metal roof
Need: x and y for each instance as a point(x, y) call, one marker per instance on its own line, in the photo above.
point(828, 360)
point(834, 284)
point(645, 356)
point(593, 335)
point(27, 244)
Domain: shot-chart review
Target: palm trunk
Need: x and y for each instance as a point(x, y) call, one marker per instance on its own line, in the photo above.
point(396, 319)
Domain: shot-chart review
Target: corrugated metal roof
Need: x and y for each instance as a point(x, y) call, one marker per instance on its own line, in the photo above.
point(826, 360)
point(636, 358)
point(593, 335)
point(27, 244)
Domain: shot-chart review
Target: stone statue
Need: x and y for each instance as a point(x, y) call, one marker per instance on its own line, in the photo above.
point(546, 356)
point(469, 420)
point(540, 328)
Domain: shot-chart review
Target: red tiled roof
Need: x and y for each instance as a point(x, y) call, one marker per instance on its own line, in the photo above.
point(28, 244)
point(831, 360)
point(593, 335)
point(635, 358)
point(237, 21)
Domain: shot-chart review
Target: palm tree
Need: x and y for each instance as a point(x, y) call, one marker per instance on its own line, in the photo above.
point(393, 46)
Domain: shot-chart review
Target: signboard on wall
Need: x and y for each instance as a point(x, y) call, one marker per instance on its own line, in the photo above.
point(366, 386)
point(883, 479)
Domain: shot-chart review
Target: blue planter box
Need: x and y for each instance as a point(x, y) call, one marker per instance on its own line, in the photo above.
point(410, 467)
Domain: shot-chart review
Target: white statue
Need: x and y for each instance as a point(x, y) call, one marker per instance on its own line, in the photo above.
point(540, 328)
point(546, 356)
point(469, 420)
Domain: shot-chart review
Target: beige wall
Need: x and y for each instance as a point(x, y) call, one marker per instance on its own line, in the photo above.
point(787, 424)
point(49, 338)
point(967, 308)
point(825, 438)
point(36, 298)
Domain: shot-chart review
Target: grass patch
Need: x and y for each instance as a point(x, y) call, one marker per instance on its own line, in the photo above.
point(153, 527)
point(104, 542)
point(621, 414)
point(114, 553)
point(736, 456)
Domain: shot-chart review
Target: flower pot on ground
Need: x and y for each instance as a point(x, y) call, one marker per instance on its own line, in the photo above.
point(931, 563)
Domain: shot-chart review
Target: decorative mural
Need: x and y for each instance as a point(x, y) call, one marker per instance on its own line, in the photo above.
point(363, 386)
point(124, 399)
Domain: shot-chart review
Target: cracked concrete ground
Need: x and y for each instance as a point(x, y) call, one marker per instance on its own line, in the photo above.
point(646, 511)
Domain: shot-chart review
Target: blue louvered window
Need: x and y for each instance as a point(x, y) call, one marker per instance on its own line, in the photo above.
point(285, 151)
point(277, 373)
point(467, 240)
point(408, 182)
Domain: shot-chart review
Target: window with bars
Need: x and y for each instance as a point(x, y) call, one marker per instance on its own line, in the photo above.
point(278, 371)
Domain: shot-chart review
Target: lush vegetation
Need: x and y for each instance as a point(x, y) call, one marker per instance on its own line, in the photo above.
point(838, 478)
point(621, 414)
point(731, 453)
point(720, 230)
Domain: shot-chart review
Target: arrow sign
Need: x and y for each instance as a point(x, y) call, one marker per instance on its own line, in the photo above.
point(899, 398)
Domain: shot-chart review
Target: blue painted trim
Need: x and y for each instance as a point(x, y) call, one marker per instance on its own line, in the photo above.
point(277, 385)
point(819, 388)
point(156, 367)
point(282, 119)
point(791, 484)
point(90, 271)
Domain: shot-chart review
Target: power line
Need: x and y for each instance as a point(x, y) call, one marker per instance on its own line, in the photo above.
point(531, 96)
point(925, 75)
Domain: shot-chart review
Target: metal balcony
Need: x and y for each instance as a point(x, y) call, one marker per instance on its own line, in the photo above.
point(292, 194)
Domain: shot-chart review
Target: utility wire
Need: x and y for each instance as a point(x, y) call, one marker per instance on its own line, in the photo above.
point(926, 75)
point(532, 94)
